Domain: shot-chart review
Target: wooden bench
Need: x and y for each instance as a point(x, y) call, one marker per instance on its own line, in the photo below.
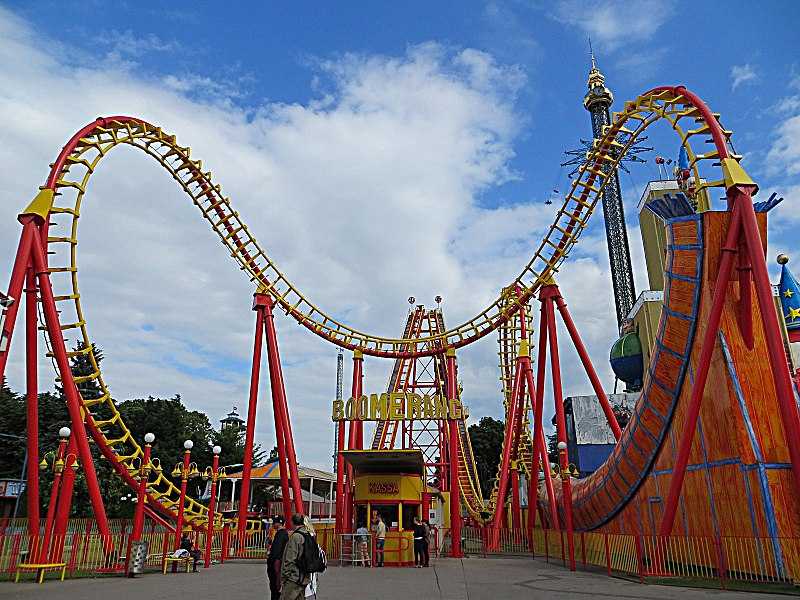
point(40, 569)
point(169, 559)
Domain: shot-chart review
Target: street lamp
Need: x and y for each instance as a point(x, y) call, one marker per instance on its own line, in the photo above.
point(56, 463)
point(185, 471)
point(142, 468)
point(213, 473)
point(566, 486)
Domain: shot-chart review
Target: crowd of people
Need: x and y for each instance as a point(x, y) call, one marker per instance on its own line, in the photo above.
point(288, 580)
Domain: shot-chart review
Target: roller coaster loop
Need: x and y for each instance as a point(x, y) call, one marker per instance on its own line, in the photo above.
point(50, 229)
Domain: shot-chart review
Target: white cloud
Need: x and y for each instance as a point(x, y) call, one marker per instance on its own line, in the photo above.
point(364, 196)
point(612, 23)
point(741, 74)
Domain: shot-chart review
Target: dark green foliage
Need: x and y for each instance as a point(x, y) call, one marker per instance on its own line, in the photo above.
point(552, 448)
point(167, 418)
point(487, 443)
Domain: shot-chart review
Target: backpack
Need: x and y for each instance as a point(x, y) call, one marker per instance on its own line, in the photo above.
point(312, 558)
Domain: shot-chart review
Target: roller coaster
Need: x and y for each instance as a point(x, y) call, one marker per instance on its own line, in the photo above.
point(706, 331)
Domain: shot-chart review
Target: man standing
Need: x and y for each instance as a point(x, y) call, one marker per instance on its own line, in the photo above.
point(380, 540)
point(419, 543)
point(294, 581)
point(276, 548)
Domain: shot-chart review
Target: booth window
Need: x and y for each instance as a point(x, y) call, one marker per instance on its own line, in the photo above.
point(361, 515)
point(409, 512)
point(389, 513)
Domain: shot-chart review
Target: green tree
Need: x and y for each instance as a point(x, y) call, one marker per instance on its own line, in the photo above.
point(486, 437)
point(232, 443)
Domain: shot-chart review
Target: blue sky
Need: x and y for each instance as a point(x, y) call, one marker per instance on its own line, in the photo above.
point(256, 53)
point(380, 150)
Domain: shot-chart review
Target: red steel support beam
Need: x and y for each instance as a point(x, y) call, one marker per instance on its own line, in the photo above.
point(279, 398)
point(538, 409)
point(517, 389)
point(32, 402)
point(259, 301)
point(340, 479)
point(8, 315)
point(455, 488)
point(686, 438)
point(549, 293)
point(356, 440)
point(587, 365)
point(71, 392)
point(516, 509)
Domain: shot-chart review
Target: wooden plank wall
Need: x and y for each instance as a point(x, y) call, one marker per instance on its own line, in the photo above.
point(738, 482)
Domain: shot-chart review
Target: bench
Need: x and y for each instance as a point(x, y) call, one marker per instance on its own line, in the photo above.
point(169, 558)
point(40, 569)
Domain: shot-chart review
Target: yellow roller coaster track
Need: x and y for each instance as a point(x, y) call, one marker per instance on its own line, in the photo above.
point(70, 178)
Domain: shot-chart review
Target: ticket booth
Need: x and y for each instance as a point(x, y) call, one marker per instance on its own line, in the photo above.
point(389, 483)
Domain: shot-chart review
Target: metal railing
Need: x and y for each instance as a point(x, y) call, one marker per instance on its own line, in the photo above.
point(728, 560)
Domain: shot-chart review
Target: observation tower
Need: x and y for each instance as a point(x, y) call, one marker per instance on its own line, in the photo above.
point(597, 101)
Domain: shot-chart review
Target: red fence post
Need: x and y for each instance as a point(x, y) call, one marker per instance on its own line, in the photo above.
point(546, 546)
point(722, 569)
point(639, 557)
point(225, 540)
point(583, 549)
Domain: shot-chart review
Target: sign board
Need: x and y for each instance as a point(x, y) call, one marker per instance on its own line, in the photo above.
point(390, 487)
point(398, 406)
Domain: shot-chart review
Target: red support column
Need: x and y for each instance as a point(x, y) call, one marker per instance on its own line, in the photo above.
point(538, 410)
point(71, 392)
point(517, 390)
point(561, 426)
point(701, 374)
point(212, 506)
point(355, 441)
point(32, 401)
point(340, 478)
point(8, 315)
point(516, 509)
point(455, 493)
point(279, 401)
point(588, 366)
point(259, 302)
point(184, 480)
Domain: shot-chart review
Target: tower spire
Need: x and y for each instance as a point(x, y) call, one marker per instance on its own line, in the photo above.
point(597, 101)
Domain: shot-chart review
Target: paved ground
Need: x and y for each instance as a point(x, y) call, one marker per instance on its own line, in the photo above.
point(470, 579)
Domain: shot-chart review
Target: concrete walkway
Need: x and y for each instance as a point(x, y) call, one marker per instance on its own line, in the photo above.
point(447, 579)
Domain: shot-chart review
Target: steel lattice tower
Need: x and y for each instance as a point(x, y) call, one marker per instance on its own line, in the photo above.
point(598, 101)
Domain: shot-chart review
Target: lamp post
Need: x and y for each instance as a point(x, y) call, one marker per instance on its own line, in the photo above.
point(143, 476)
point(566, 486)
point(57, 458)
point(185, 473)
point(212, 473)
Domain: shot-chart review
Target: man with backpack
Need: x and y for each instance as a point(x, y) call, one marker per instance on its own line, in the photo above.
point(301, 558)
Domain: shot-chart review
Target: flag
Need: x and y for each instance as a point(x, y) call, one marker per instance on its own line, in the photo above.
point(790, 299)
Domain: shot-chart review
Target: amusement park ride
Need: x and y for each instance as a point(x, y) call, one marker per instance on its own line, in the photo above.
point(715, 434)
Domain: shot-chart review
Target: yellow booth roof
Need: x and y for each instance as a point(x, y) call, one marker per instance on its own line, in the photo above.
point(385, 461)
